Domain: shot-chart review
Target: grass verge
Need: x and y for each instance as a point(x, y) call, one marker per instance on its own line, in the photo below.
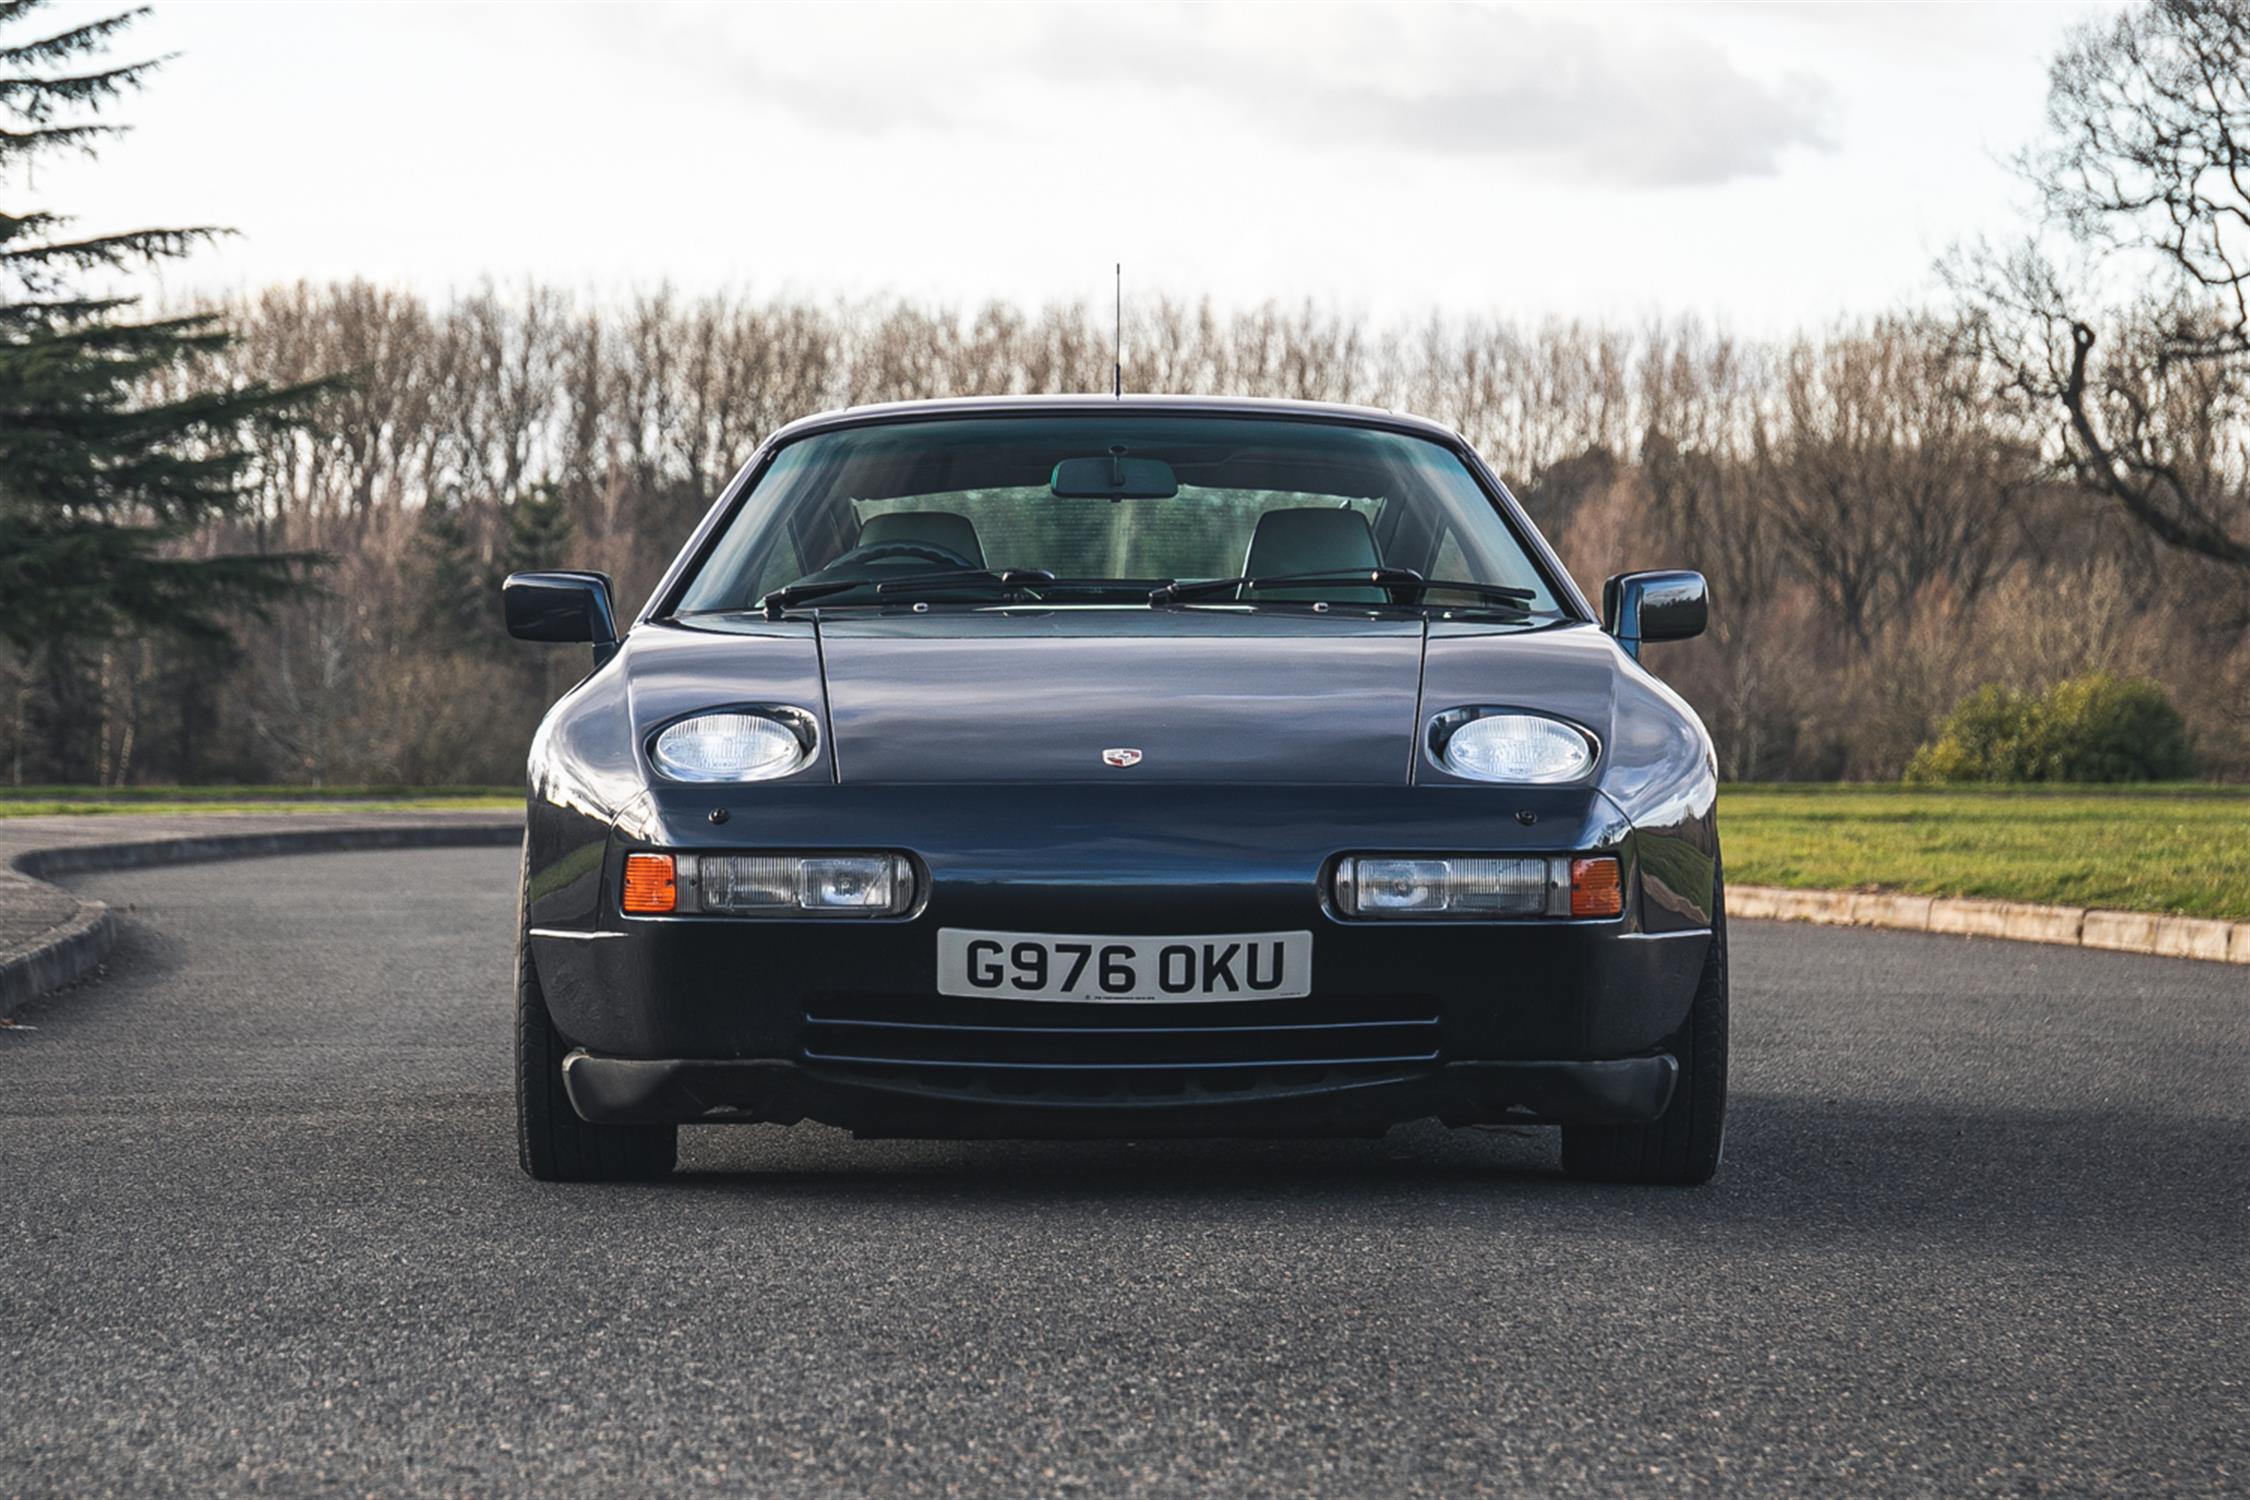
point(2175, 849)
point(51, 801)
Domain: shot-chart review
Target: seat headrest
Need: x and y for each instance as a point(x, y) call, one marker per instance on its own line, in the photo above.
point(940, 528)
point(1310, 540)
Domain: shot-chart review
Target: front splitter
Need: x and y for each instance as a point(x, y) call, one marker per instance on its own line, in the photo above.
point(698, 1091)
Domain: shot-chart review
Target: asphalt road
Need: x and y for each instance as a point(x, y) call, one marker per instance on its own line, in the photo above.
point(1984, 1224)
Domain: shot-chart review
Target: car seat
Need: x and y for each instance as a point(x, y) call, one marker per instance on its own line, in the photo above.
point(937, 528)
point(1313, 540)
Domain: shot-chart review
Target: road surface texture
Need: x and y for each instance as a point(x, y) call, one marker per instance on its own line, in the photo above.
point(1984, 1225)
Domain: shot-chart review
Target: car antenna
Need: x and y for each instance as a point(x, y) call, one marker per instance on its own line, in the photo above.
point(1117, 340)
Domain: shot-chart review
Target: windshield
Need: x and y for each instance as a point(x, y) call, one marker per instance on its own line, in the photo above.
point(1111, 505)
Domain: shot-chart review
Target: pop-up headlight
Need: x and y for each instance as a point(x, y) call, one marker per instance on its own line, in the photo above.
point(734, 745)
point(1518, 748)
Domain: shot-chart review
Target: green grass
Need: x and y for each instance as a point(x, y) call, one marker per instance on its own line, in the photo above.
point(51, 801)
point(2183, 849)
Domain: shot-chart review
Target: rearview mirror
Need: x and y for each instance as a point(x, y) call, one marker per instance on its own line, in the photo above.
point(1114, 478)
point(560, 606)
point(1642, 607)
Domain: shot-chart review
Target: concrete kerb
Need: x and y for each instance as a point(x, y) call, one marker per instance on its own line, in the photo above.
point(2016, 921)
point(68, 950)
point(61, 955)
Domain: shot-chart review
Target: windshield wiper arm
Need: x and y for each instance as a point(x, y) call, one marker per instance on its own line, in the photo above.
point(803, 593)
point(1007, 578)
point(1399, 580)
point(1497, 593)
point(820, 588)
point(1386, 577)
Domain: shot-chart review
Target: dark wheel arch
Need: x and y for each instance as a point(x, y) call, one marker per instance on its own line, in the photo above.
point(552, 1143)
point(1683, 1145)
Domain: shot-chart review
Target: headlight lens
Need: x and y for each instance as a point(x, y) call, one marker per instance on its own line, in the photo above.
point(1473, 886)
point(1443, 887)
point(768, 885)
point(1520, 748)
point(873, 885)
point(737, 746)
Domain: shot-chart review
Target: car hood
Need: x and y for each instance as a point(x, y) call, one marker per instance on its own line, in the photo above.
point(1202, 695)
point(1205, 695)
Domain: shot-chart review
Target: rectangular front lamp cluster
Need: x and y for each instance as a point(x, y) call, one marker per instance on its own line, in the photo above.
point(768, 885)
point(1472, 886)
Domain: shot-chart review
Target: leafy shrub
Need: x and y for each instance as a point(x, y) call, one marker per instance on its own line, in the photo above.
point(1990, 736)
point(2091, 728)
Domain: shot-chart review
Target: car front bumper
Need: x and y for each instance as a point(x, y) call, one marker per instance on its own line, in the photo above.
point(714, 1018)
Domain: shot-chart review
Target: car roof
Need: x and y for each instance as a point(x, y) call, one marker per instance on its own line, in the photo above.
point(1207, 406)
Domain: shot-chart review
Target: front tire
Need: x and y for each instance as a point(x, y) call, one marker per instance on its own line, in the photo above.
point(552, 1143)
point(1680, 1147)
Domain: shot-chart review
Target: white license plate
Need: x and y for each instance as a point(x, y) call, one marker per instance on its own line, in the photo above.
point(1060, 966)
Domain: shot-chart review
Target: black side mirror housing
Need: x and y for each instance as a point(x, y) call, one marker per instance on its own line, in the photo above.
point(570, 607)
point(1641, 607)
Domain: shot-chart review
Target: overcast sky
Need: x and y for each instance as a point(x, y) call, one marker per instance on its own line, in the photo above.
point(1764, 166)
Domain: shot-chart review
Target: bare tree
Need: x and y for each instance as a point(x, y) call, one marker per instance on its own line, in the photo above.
point(1698, 401)
point(2128, 317)
point(1882, 475)
point(1872, 524)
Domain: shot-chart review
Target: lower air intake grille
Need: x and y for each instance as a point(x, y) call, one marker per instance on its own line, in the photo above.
point(1034, 1050)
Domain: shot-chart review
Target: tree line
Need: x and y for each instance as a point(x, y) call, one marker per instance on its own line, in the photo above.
point(1882, 535)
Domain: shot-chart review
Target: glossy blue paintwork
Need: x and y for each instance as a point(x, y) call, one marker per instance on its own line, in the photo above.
point(1274, 739)
point(1206, 694)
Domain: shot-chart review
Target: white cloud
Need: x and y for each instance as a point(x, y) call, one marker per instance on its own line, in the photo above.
point(1765, 165)
point(1636, 105)
point(1625, 105)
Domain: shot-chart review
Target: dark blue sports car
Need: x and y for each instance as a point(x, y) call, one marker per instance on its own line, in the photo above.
point(1091, 767)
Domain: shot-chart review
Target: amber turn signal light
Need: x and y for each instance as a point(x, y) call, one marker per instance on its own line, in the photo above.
point(649, 887)
point(1596, 887)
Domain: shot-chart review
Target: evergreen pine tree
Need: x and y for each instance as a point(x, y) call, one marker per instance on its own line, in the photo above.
point(101, 478)
point(457, 586)
point(539, 530)
point(468, 551)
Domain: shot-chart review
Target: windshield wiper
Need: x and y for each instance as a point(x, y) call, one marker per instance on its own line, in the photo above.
point(1388, 577)
point(1025, 579)
point(820, 588)
point(802, 593)
point(1399, 584)
point(1398, 580)
point(1491, 593)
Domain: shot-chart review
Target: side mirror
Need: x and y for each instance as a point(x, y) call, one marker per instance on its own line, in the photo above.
point(1642, 607)
point(568, 607)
